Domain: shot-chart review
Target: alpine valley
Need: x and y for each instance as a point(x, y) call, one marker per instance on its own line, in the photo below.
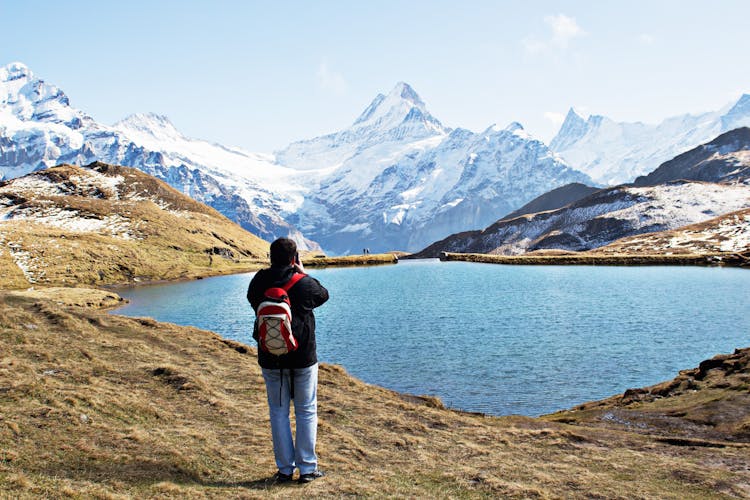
point(396, 179)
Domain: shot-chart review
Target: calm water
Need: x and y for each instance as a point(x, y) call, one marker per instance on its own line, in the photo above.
point(496, 339)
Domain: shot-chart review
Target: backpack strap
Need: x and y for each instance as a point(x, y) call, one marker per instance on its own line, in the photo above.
point(294, 279)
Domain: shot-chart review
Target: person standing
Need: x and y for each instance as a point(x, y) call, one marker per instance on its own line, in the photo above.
point(292, 376)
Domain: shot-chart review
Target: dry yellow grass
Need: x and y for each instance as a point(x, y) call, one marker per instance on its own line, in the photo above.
point(103, 406)
point(177, 239)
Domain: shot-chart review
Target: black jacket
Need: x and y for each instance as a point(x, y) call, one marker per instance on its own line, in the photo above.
point(305, 295)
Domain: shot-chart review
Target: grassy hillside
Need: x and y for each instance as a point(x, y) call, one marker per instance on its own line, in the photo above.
point(109, 224)
point(103, 406)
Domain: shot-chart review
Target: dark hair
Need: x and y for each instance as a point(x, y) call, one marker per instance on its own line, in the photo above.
point(283, 251)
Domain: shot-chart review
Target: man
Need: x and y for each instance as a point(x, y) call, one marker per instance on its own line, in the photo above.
point(293, 375)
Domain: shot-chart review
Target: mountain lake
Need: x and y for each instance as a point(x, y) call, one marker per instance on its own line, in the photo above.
point(489, 338)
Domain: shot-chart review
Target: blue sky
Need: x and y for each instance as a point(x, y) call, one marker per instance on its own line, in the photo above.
point(262, 74)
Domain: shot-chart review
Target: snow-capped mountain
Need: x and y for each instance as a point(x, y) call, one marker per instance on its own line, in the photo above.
point(601, 218)
point(397, 119)
point(708, 181)
point(617, 152)
point(395, 179)
point(398, 179)
point(39, 129)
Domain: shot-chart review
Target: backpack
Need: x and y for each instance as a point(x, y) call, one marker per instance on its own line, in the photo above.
point(273, 320)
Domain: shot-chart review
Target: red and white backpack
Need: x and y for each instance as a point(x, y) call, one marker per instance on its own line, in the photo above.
point(273, 319)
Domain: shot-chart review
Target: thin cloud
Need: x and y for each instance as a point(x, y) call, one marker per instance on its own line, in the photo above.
point(562, 30)
point(331, 80)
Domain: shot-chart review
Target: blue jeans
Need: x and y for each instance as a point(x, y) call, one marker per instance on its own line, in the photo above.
point(288, 455)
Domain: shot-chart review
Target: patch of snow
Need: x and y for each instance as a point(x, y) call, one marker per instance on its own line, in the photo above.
point(23, 260)
point(96, 180)
point(452, 203)
point(33, 186)
point(71, 220)
point(351, 228)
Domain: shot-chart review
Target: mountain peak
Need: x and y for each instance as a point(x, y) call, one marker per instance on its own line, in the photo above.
point(15, 71)
point(400, 101)
point(401, 110)
point(495, 128)
point(573, 128)
point(573, 115)
point(738, 115)
point(742, 106)
point(30, 98)
point(404, 91)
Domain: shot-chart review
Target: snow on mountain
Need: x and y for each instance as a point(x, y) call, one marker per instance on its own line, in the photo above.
point(726, 233)
point(39, 129)
point(602, 218)
point(398, 179)
point(725, 159)
point(395, 179)
point(617, 152)
point(398, 118)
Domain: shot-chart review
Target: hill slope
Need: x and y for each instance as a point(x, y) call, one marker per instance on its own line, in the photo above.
point(99, 405)
point(107, 224)
point(552, 200)
point(601, 218)
point(725, 159)
point(726, 233)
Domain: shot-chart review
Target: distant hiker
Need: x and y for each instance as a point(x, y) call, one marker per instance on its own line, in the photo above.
point(292, 375)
